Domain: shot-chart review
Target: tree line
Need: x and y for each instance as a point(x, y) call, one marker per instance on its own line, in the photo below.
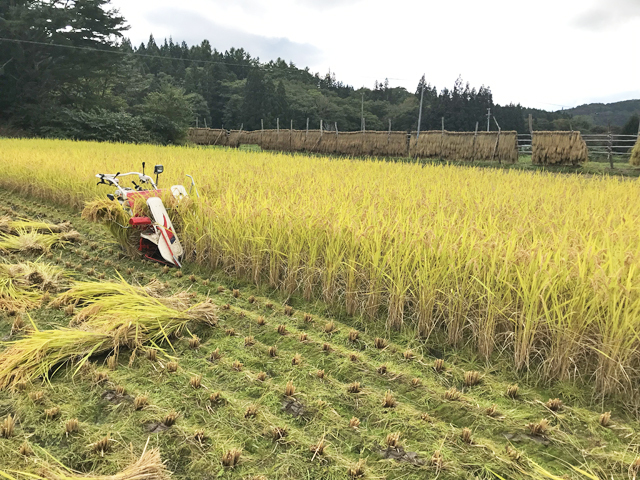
point(67, 70)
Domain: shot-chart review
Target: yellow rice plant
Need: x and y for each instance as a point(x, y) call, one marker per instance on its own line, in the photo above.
point(550, 263)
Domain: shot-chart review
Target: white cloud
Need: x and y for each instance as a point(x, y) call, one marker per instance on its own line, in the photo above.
point(545, 53)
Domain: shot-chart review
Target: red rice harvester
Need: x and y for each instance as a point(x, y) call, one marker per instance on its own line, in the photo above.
point(158, 239)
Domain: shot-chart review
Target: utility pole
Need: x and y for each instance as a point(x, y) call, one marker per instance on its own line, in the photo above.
point(420, 113)
point(488, 119)
point(362, 114)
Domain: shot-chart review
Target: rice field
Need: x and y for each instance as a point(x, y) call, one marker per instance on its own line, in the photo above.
point(112, 367)
point(536, 269)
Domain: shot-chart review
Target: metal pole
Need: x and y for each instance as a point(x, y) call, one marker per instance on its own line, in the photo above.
point(488, 119)
point(610, 147)
point(362, 114)
point(420, 113)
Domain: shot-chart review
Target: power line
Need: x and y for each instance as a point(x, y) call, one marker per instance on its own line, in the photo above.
point(118, 52)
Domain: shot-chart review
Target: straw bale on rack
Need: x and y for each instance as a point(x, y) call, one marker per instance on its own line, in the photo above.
point(558, 148)
point(207, 136)
point(429, 145)
point(635, 154)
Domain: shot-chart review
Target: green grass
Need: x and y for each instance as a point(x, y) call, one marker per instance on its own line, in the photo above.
point(577, 440)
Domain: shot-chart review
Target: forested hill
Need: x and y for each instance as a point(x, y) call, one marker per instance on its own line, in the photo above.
point(617, 114)
point(67, 70)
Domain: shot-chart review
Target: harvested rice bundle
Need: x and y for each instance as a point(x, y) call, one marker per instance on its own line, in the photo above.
point(635, 154)
point(148, 467)
point(83, 293)
point(22, 285)
point(111, 214)
point(7, 225)
point(129, 320)
point(30, 242)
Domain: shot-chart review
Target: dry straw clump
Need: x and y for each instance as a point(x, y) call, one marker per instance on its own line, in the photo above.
point(330, 327)
point(231, 458)
point(380, 343)
point(453, 394)
point(389, 400)
point(353, 335)
point(471, 378)
point(540, 428)
point(71, 426)
point(466, 435)
point(237, 365)
point(353, 387)
point(140, 402)
point(289, 389)
point(354, 422)
point(288, 310)
point(554, 404)
point(249, 341)
point(605, 419)
point(356, 470)
point(262, 376)
point(382, 369)
point(318, 448)
point(393, 440)
point(282, 329)
point(297, 359)
point(170, 419)
point(215, 355)
point(273, 351)
point(196, 381)
point(278, 433)
point(251, 411)
point(512, 391)
point(320, 374)
point(438, 365)
point(194, 342)
point(172, 367)
point(303, 337)
point(7, 427)
point(102, 446)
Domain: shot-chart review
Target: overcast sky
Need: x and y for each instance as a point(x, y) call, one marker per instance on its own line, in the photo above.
point(543, 53)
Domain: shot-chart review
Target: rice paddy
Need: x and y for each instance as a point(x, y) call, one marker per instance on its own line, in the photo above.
point(256, 370)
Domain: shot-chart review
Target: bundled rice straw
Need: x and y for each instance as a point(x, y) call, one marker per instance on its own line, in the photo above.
point(131, 318)
point(111, 214)
point(558, 148)
point(635, 154)
point(21, 285)
point(148, 467)
point(31, 241)
point(462, 146)
point(7, 225)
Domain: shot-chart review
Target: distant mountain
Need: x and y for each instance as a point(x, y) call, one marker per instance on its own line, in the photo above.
point(604, 113)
